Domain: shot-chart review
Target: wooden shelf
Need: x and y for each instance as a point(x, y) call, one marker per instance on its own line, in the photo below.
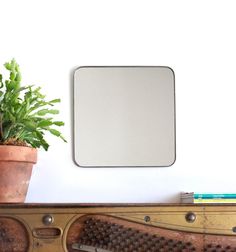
point(117, 227)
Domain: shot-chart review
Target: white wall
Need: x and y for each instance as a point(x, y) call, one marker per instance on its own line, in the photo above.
point(196, 38)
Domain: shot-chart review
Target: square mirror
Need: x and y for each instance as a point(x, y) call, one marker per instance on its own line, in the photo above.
point(124, 116)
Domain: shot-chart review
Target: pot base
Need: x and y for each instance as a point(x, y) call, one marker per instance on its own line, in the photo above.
point(15, 177)
point(16, 164)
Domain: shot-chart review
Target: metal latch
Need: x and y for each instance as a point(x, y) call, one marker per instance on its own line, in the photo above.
point(86, 248)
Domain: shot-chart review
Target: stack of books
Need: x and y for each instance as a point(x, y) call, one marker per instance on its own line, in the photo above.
point(207, 197)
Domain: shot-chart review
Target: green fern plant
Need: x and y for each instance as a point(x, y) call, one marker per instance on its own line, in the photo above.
point(25, 115)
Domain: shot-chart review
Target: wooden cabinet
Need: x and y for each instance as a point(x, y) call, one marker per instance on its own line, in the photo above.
point(117, 228)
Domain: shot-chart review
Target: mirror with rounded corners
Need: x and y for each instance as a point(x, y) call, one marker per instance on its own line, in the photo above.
point(124, 116)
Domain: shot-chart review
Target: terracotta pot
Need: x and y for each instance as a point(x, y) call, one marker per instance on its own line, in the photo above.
point(16, 163)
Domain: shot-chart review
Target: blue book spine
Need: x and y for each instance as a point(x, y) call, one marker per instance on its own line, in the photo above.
point(214, 196)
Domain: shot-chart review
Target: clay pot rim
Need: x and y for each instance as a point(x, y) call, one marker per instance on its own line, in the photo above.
point(15, 153)
point(19, 146)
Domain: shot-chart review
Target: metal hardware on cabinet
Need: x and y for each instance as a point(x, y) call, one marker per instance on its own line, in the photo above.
point(190, 217)
point(47, 219)
point(147, 218)
point(85, 248)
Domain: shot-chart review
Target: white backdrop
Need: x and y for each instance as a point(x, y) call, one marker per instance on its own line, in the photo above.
point(49, 39)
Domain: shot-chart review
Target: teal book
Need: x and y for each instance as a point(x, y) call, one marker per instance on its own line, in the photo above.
point(192, 197)
point(214, 196)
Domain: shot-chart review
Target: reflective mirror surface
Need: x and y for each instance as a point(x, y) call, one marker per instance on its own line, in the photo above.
point(124, 116)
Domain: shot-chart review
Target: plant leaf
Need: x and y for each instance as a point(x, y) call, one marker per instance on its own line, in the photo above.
point(57, 133)
point(44, 123)
point(59, 123)
point(43, 112)
point(55, 101)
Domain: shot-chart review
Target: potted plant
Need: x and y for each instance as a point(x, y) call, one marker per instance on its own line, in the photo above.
point(25, 116)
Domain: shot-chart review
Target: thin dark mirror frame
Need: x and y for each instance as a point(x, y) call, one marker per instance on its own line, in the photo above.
point(76, 124)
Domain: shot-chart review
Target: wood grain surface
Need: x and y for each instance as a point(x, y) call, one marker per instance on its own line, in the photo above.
point(117, 227)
